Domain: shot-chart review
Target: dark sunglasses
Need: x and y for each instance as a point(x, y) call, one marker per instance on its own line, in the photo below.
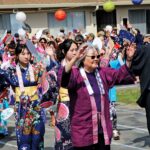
point(102, 54)
point(93, 57)
point(79, 43)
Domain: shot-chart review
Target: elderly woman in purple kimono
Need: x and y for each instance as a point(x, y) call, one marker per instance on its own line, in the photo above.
point(88, 85)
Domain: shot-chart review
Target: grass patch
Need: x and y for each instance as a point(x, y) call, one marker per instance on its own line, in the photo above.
point(128, 95)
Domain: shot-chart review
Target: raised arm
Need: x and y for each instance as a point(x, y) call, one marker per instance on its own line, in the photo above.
point(79, 55)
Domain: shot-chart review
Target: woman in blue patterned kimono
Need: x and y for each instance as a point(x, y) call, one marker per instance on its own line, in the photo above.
point(29, 115)
point(3, 104)
point(67, 50)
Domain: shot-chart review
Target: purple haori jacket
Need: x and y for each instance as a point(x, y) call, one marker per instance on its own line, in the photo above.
point(83, 111)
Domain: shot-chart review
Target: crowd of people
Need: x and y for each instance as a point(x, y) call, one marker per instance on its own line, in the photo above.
point(73, 76)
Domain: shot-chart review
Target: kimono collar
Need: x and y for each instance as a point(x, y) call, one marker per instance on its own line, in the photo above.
point(19, 75)
point(88, 85)
point(63, 62)
point(23, 68)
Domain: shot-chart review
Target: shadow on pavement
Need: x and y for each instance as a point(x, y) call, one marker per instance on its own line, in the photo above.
point(48, 148)
point(145, 139)
point(128, 129)
point(7, 139)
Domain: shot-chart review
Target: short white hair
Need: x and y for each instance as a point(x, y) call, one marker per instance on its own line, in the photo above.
point(108, 28)
point(89, 47)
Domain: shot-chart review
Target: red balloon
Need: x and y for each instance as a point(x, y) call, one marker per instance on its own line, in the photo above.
point(60, 15)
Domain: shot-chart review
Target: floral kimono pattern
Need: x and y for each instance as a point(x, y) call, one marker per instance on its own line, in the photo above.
point(62, 128)
point(3, 123)
point(3, 105)
point(29, 114)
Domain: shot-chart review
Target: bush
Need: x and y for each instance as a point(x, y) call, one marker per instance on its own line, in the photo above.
point(128, 95)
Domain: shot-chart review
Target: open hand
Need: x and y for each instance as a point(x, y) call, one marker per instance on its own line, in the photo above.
point(81, 52)
point(50, 51)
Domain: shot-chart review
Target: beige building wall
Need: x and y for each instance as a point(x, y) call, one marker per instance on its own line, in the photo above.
point(91, 25)
point(121, 12)
point(39, 21)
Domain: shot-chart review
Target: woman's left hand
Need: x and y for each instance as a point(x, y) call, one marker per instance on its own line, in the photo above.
point(49, 51)
point(81, 52)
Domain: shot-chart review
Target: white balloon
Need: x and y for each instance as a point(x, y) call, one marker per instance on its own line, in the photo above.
point(21, 16)
point(21, 32)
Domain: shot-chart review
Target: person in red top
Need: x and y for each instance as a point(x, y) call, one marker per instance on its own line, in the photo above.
point(8, 37)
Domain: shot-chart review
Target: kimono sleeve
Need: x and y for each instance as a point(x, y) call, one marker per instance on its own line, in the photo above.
point(67, 80)
point(117, 76)
point(49, 86)
point(4, 77)
point(9, 76)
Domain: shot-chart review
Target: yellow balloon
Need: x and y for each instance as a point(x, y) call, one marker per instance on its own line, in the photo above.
point(109, 6)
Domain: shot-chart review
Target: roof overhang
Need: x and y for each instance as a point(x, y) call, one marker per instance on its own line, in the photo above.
point(71, 5)
point(19, 6)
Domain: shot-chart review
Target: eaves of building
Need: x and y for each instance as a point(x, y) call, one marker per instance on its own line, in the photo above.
point(11, 4)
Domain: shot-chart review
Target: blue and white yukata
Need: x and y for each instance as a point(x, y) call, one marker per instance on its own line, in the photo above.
point(3, 105)
point(29, 114)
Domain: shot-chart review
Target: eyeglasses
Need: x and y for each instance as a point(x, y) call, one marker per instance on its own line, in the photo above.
point(102, 54)
point(93, 57)
point(79, 43)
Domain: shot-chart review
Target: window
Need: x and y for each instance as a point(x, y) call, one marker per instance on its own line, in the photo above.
point(9, 22)
point(4, 23)
point(15, 25)
point(70, 23)
point(138, 19)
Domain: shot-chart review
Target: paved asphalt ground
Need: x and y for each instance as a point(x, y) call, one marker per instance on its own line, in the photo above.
point(131, 123)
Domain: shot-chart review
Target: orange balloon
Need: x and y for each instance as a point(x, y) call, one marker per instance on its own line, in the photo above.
point(60, 15)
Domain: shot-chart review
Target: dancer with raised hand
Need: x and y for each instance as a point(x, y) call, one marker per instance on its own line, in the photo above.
point(88, 85)
point(66, 52)
point(25, 80)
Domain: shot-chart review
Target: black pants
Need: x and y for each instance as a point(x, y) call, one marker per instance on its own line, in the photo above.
point(147, 108)
point(99, 146)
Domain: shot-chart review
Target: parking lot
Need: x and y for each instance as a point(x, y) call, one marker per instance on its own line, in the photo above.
point(131, 123)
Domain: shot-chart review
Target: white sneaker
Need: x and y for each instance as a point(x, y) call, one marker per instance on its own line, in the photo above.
point(116, 135)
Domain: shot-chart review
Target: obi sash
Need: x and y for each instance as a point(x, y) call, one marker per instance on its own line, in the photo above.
point(63, 95)
point(30, 91)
